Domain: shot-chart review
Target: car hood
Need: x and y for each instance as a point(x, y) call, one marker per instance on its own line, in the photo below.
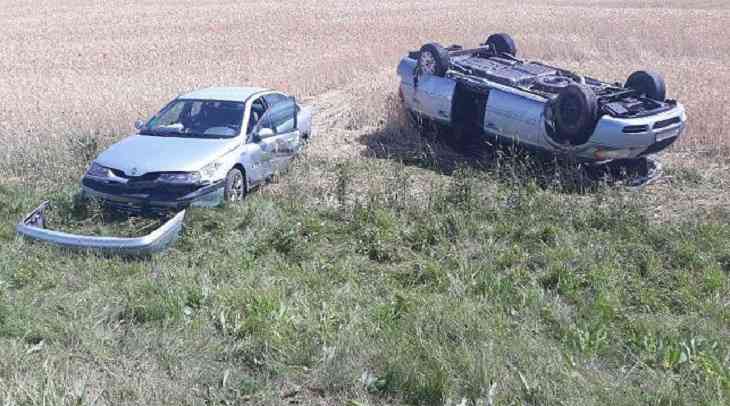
point(140, 154)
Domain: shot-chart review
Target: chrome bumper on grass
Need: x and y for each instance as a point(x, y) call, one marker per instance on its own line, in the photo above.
point(33, 227)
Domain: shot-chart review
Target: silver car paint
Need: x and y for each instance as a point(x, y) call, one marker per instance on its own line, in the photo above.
point(513, 116)
point(33, 226)
point(140, 154)
point(137, 155)
point(429, 95)
point(520, 116)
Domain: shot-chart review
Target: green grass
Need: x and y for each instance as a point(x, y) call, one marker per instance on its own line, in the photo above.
point(475, 288)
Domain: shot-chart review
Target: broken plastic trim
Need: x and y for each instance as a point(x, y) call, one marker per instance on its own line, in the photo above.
point(33, 227)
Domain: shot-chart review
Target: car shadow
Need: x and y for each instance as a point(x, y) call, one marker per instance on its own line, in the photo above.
point(436, 148)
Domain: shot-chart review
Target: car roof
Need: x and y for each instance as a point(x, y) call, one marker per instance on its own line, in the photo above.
point(238, 94)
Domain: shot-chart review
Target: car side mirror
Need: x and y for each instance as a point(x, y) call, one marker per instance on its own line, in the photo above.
point(264, 133)
point(139, 124)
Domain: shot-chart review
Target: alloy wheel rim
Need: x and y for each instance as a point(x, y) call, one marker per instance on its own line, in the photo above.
point(428, 63)
point(237, 189)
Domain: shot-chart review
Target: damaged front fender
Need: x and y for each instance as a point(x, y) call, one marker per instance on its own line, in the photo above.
point(33, 226)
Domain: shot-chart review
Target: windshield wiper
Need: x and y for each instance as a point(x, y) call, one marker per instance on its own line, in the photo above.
point(163, 131)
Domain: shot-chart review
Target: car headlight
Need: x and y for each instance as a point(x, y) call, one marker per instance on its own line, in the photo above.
point(208, 172)
point(98, 171)
point(180, 178)
point(203, 176)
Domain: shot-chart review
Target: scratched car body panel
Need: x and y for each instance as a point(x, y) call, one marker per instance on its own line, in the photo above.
point(489, 91)
point(201, 148)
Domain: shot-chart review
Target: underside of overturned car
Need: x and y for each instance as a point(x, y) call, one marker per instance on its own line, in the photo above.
point(488, 91)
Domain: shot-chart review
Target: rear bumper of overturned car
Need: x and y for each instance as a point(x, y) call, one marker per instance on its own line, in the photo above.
point(626, 138)
point(33, 227)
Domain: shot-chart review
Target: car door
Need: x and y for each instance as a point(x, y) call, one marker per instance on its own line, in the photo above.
point(433, 96)
point(260, 143)
point(281, 117)
point(427, 94)
point(516, 117)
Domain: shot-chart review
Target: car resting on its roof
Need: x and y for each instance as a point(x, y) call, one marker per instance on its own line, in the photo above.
point(489, 91)
point(202, 148)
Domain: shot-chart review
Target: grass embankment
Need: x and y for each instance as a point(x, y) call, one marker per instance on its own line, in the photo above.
point(476, 287)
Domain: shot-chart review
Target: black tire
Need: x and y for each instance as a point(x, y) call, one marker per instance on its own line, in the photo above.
point(502, 43)
point(576, 113)
point(433, 59)
point(649, 83)
point(235, 186)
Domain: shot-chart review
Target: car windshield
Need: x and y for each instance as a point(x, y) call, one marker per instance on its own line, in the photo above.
point(197, 118)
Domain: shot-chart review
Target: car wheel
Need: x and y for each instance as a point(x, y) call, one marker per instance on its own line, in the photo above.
point(576, 113)
point(433, 59)
point(235, 188)
point(502, 43)
point(649, 83)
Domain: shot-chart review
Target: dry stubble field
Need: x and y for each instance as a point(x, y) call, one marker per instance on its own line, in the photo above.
point(75, 74)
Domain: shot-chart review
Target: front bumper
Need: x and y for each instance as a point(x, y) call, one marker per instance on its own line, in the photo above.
point(33, 226)
point(129, 198)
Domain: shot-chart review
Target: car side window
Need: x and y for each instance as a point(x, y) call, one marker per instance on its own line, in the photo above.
point(274, 98)
point(258, 108)
point(283, 116)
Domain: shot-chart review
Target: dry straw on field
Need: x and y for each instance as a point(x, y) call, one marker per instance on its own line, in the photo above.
point(75, 75)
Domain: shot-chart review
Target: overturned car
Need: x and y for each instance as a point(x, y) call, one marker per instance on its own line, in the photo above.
point(488, 91)
point(203, 148)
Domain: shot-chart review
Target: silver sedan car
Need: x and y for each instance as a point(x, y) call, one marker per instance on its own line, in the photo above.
point(490, 93)
point(203, 148)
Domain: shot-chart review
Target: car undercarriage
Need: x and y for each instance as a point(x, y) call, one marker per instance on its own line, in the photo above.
point(487, 90)
point(479, 72)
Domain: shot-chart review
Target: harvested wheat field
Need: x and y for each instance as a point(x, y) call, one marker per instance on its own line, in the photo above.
point(384, 267)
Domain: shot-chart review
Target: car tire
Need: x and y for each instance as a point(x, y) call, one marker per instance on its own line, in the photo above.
point(502, 43)
point(235, 186)
point(433, 59)
point(649, 83)
point(576, 112)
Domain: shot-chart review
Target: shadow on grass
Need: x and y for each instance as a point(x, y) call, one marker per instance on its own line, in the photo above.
point(442, 150)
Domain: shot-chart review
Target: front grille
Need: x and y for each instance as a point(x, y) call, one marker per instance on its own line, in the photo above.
point(143, 189)
point(666, 123)
point(147, 177)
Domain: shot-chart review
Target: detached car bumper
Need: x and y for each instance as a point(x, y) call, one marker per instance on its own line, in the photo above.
point(33, 226)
